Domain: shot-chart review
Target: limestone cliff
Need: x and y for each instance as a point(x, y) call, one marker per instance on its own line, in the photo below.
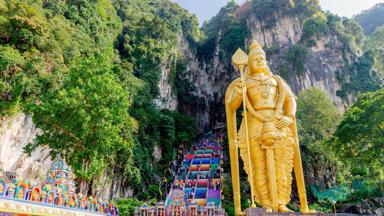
point(15, 133)
point(322, 61)
point(166, 98)
point(304, 57)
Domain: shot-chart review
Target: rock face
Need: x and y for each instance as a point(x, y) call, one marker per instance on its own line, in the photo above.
point(15, 133)
point(372, 206)
point(166, 98)
point(286, 31)
point(111, 185)
point(211, 76)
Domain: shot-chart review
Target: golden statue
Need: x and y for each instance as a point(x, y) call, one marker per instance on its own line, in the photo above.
point(267, 138)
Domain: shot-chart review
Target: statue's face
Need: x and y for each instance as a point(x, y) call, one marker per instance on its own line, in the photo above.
point(257, 63)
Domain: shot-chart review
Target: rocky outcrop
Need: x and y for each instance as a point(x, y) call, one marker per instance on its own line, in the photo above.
point(286, 31)
point(15, 133)
point(166, 98)
point(322, 63)
point(111, 185)
point(211, 77)
point(372, 206)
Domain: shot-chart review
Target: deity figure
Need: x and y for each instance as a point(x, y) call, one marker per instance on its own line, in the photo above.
point(35, 195)
point(267, 137)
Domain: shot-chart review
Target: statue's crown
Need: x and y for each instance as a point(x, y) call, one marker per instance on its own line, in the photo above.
point(255, 44)
point(256, 48)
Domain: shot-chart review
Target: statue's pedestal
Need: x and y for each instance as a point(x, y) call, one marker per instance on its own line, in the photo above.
point(262, 211)
point(255, 211)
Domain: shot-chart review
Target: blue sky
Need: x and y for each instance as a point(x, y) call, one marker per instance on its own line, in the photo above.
point(205, 9)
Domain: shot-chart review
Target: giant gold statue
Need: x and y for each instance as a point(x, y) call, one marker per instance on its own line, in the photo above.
point(267, 138)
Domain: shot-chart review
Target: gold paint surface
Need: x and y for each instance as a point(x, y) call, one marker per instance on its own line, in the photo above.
point(267, 139)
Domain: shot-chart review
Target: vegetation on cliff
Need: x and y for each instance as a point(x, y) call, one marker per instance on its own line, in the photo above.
point(358, 139)
point(318, 118)
point(371, 19)
point(88, 72)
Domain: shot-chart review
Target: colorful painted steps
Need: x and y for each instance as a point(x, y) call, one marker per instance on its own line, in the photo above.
point(199, 178)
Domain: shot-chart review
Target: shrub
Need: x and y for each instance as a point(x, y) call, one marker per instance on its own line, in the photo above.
point(297, 56)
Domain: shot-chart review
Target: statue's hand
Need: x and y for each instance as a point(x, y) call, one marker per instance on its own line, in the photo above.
point(239, 87)
point(283, 122)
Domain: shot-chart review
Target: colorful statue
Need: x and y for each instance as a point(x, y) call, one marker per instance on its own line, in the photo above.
point(35, 195)
point(267, 137)
point(57, 188)
point(3, 185)
point(2, 188)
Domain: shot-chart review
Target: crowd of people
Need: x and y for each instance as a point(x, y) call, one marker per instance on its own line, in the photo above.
point(215, 185)
point(199, 168)
point(198, 181)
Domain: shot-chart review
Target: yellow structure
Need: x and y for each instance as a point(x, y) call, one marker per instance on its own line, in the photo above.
point(267, 138)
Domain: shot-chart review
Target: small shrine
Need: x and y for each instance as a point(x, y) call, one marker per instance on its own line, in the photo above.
point(57, 189)
point(61, 175)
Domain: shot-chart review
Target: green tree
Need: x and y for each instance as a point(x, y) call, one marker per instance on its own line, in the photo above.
point(363, 78)
point(376, 44)
point(185, 127)
point(317, 119)
point(148, 43)
point(371, 19)
point(127, 206)
point(358, 140)
point(317, 115)
point(39, 39)
point(87, 121)
point(167, 131)
point(297, 56)
point(314, 26)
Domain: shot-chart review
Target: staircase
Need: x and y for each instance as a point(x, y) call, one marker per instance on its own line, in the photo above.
point(198, 181)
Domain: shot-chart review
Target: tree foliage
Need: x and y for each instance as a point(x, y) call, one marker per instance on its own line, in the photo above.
point(376, 45)
point(317, 115)
point(371, 19)
point(297, 56)
point(358, 139)
point(58, 62)
point(40, 39)
point(151, 30)
point(148, 41)
point(232, 28)
point(128, 206)
point(362, 76)
point(317, 119)
point(315, 25)
point(87, 120)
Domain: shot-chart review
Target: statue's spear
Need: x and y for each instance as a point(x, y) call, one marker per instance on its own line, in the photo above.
point(240, 59)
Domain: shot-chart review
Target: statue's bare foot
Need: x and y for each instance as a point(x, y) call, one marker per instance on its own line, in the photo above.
point(240, 213)
point(283, 208)
point(268, 209)
point(307, 210)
